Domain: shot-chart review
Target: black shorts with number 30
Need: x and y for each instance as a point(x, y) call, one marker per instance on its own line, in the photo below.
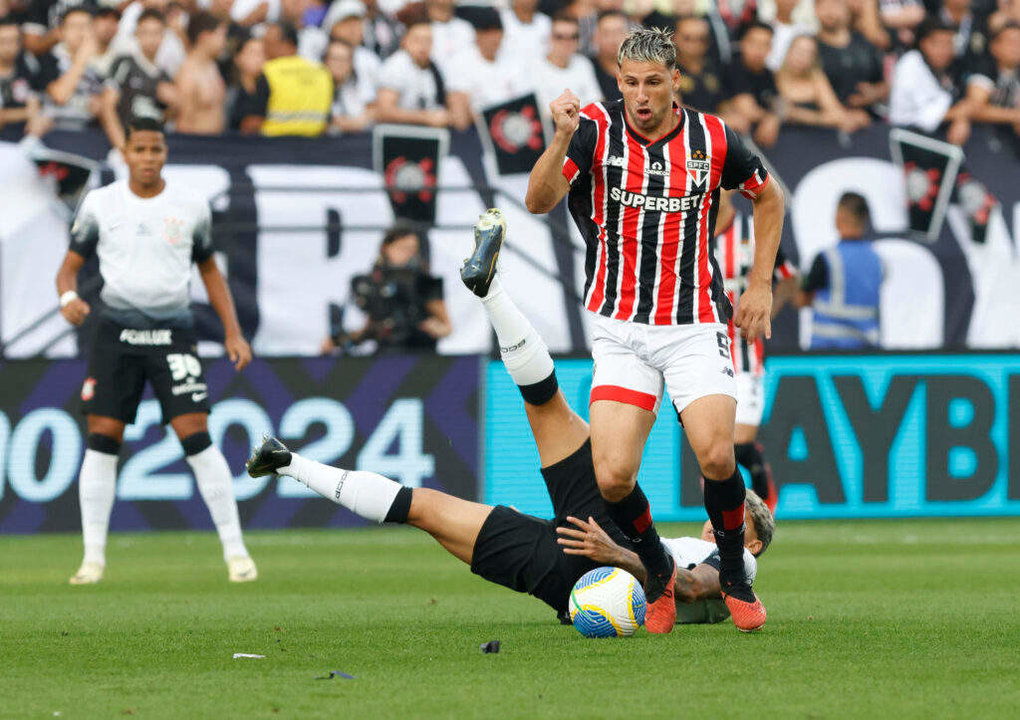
point(123, 359)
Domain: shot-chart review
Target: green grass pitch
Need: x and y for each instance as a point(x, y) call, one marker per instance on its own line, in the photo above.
point(876, 619)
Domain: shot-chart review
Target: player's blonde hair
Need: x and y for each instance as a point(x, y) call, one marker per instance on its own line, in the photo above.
point(654, 45)
point(761, 516)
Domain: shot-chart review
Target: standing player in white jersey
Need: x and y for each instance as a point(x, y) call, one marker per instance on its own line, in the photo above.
point(734, 253)
point(147, 233)
point(643, 177)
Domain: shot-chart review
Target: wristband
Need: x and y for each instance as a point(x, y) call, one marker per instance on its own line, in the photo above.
point(67, 298)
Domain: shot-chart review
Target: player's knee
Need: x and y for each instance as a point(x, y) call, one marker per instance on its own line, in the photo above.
point(191, 424)
point(717, 462)
point(423, 507)
point(615, 475)
point(106, 427)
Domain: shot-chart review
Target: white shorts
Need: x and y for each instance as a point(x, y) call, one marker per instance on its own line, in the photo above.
point(633, 362)
point(750, 398)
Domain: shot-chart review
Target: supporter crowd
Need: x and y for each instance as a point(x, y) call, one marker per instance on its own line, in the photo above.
point(308, 67)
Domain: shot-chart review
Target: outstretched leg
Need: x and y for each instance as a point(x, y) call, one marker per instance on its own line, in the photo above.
point(453, 522)
point(558, 430)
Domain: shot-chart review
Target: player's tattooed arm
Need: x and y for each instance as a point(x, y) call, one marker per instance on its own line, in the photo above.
point(589, 540)
point(701, 583)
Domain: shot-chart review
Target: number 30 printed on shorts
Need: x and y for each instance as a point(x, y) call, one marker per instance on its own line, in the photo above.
point(183, 365)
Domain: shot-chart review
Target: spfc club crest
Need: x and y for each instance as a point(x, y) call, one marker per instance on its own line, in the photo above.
point(699, 166)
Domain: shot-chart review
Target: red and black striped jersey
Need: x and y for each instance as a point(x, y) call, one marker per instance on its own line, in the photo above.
point(646, 209)
point(734, 252)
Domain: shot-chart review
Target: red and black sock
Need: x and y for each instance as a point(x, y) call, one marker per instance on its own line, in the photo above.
point(634, 518)
point(724, 500)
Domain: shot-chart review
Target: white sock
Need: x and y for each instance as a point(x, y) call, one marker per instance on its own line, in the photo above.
point(525, 355)
point(364, 493)
point(216, 485)
point(97, 485)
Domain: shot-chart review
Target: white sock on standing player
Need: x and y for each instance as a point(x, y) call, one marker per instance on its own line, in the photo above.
point(364, 493)
point(216, 485)
point(524, 353)
point(97, 484)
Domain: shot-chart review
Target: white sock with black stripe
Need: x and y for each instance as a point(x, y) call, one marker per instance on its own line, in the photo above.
point(525, 355)
point(364, 493)
point(216, 486)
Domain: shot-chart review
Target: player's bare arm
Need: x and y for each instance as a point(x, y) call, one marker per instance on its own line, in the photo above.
point(72, 307)
point(754, 311)
point(591, 541)
point(546, 184)
point(234, 343)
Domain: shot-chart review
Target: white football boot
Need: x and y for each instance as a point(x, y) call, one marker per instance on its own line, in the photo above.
point(242, 569)
point(88, 574)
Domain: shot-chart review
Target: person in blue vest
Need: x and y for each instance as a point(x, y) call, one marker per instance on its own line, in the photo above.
point(844, 283)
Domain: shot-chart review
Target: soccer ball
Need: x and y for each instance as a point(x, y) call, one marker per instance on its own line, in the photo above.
point(607, 602)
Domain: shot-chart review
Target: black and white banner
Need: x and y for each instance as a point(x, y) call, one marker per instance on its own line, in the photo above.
point(408, 158)
point(295, 219)
point(929, 169)
point(513, 134)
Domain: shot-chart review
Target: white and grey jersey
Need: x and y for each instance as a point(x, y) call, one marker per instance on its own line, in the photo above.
point(689, 552)
point(145, 248)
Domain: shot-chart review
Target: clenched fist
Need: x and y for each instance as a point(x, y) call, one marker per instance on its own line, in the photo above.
point(75, 311)
point(566, 112)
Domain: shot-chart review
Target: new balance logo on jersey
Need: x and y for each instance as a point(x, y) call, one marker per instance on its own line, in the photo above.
point(656, 169)
point(146, 337)
point(654, 203)
point(616, 161)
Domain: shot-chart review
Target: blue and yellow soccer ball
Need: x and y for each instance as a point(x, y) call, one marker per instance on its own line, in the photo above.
point(607, 602)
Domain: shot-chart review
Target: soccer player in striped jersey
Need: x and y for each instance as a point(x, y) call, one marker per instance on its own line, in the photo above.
point(734, 253)
point(643, 176)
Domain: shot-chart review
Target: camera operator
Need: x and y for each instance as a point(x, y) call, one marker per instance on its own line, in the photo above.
point(401, 302)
